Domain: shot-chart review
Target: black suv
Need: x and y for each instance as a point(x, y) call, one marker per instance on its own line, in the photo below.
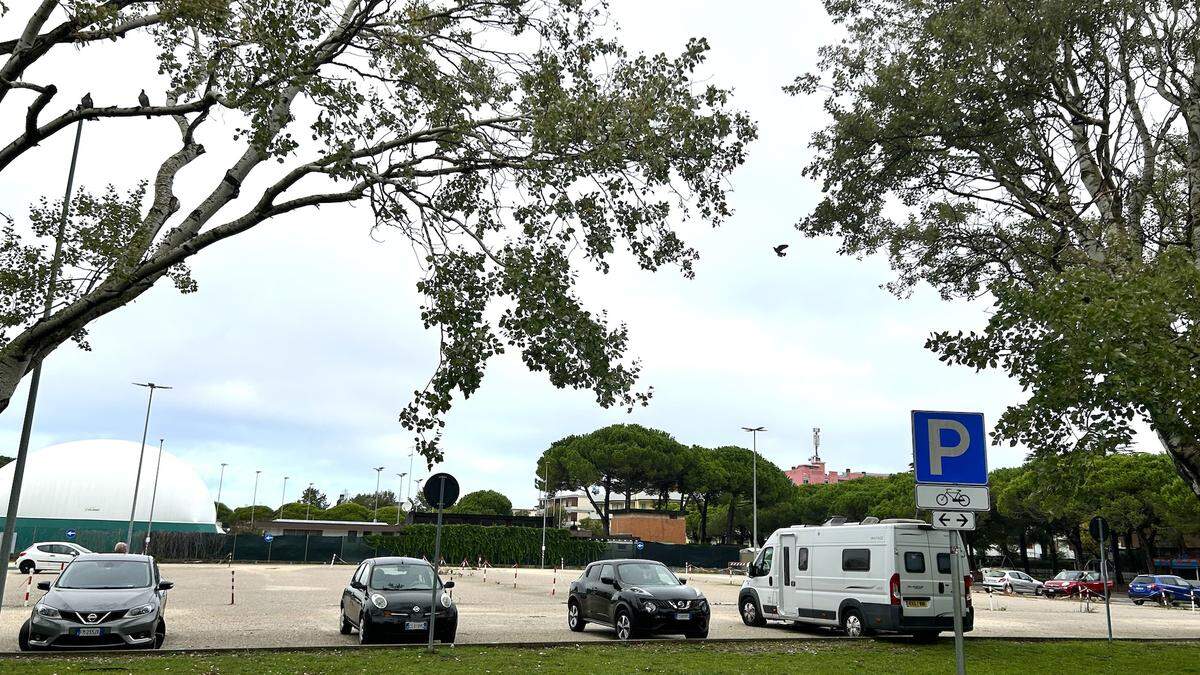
point(636, 597)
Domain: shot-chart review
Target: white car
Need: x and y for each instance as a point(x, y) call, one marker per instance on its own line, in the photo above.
point(48, 555)
point(1014, 581)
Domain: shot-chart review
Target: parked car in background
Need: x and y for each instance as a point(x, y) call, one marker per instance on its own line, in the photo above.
point(636, 597)
point(100, 600)
point(1010, 581)
point(1156, 587)
point(48, 555)
point(1074, 582)
point(395, 596)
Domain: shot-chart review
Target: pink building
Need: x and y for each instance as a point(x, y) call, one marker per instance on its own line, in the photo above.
point(814, 473)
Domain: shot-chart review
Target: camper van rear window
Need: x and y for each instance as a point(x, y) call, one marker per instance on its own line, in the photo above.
point(943, 563)
point(914, 562)
point(856, 560)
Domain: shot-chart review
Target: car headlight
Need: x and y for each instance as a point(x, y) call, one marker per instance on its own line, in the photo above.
point(446, 600)
point(638, 590)
point(141, 610)
point(378, 600)
point(649, 606)
point(47, 611)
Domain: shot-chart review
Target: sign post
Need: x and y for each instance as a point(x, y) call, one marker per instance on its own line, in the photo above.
point(1099, 531)
point(950, 463)
point(441, 490)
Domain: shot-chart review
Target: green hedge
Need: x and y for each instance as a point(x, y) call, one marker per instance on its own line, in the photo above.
point(501, 546)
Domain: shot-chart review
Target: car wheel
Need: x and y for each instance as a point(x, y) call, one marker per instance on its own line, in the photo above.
point(852, 623)
point(365, 633)
point(28, 567)
point(1037, 591)
point(447, 636)
point(23, 638)
point(698, 633)
point(751, 612)
point(623, 626)
point(344, 626)
point(574, 619)
point(160, 634)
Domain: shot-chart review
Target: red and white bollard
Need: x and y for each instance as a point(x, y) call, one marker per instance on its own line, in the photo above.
point(231, 572)
point(515, 565)
point(485, 566)
point(554, 583)
point(28, 585)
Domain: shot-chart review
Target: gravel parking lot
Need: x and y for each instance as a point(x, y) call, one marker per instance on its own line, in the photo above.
point(296, 605)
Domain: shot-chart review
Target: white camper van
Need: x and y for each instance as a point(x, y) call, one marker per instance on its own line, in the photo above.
point(891, 575)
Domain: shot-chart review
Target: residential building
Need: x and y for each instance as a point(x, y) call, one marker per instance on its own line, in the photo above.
point(573, 507)
point(814, 472)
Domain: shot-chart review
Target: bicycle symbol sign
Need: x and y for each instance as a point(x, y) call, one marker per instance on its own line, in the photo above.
point(955, 496)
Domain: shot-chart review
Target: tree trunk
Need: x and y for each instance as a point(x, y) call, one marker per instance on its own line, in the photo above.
point(1146, 536)
point(1075, 541)
point(628, 499)
point(704, 520)
point(1185, 454)
point(1053, 551)
point(1024, 543)
point(729, 521)
point(1115, 554)
point(607, 498)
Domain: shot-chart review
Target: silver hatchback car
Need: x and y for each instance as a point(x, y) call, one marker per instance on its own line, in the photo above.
point(100, 600)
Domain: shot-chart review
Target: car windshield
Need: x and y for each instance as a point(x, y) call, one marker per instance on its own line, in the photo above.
point(98, 574)
point(402, 577)
point(1066, 575)
point(646, 574)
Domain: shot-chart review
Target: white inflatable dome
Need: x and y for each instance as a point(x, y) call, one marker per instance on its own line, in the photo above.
point(93, 480)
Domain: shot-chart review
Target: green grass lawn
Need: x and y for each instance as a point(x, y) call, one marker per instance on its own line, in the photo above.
point(892, 657)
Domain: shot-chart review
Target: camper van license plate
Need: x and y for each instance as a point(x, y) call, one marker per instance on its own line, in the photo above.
point(683, 616)
point(916, 603)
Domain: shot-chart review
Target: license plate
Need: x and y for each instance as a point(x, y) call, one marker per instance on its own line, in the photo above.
point(89, 632)
point(683, 616)
point(416, 625)
point(916, 603)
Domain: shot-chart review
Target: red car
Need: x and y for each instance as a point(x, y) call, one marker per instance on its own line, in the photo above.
point(1074, 582)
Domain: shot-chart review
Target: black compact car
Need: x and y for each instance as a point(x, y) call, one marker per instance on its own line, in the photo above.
point(636, 597)
point(393, 596)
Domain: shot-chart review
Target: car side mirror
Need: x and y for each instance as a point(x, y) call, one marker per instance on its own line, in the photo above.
point(355, 584)
point(448, 584)
point(608, 581)
point(43, 585)
point(165, 585)
point(683, 581)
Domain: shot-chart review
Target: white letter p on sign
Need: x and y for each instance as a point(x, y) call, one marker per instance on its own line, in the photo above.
point(937, 451)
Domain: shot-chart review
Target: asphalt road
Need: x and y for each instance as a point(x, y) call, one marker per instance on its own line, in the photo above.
point(295, 605)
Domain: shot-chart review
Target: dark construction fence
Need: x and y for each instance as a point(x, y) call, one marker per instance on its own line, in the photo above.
point(500, 546)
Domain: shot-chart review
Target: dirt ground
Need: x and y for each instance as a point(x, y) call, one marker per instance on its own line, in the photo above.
point(297, 605)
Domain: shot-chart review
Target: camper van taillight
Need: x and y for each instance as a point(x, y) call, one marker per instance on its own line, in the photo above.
point(894, 588)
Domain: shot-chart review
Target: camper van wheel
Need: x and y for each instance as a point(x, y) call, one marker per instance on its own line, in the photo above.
point(852, 623)
point(751, 613)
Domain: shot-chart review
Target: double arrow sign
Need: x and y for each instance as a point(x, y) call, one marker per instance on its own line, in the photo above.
point(953, 520)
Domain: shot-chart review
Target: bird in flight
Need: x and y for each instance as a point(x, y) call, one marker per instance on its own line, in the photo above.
point(144, 101)
point(781, 250)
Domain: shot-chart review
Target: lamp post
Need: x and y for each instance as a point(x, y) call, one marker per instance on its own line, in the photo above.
point(14, 494)
point(411, 453)
point(401, 475)
point(754, 434)
point(137, 480)
point(221, 481)
point(375, 516)
point(283, 496)
point(153, 498)
point(545, 505)
point(254, 498)
point(413, 503)
point(308, 503)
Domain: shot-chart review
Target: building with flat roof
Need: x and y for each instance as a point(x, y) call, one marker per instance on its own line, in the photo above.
point(814, 472)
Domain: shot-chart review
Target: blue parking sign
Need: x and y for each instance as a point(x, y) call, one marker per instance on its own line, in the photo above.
point(949, 447)
point(70, 534)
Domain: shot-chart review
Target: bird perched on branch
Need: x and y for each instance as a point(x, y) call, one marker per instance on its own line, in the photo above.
point(144, 101)
point(86, 101)
point(780, 250)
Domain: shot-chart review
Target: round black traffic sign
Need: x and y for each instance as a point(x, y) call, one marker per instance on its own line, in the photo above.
point(1099, 528)
point(441, 490)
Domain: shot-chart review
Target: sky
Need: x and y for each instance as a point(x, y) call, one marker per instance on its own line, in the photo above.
point(304, 340)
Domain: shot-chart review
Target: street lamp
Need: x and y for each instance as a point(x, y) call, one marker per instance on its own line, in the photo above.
point(221, 481)
point(153, 498)
point(254, 499)
point(137, 481)
point(545, 505)
point(401, 475)
point(283, 497)
point(412, 453)
point(754, 433)
point(35, 379)
point(375, 516)
point(411, 501)
point(308, 502)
